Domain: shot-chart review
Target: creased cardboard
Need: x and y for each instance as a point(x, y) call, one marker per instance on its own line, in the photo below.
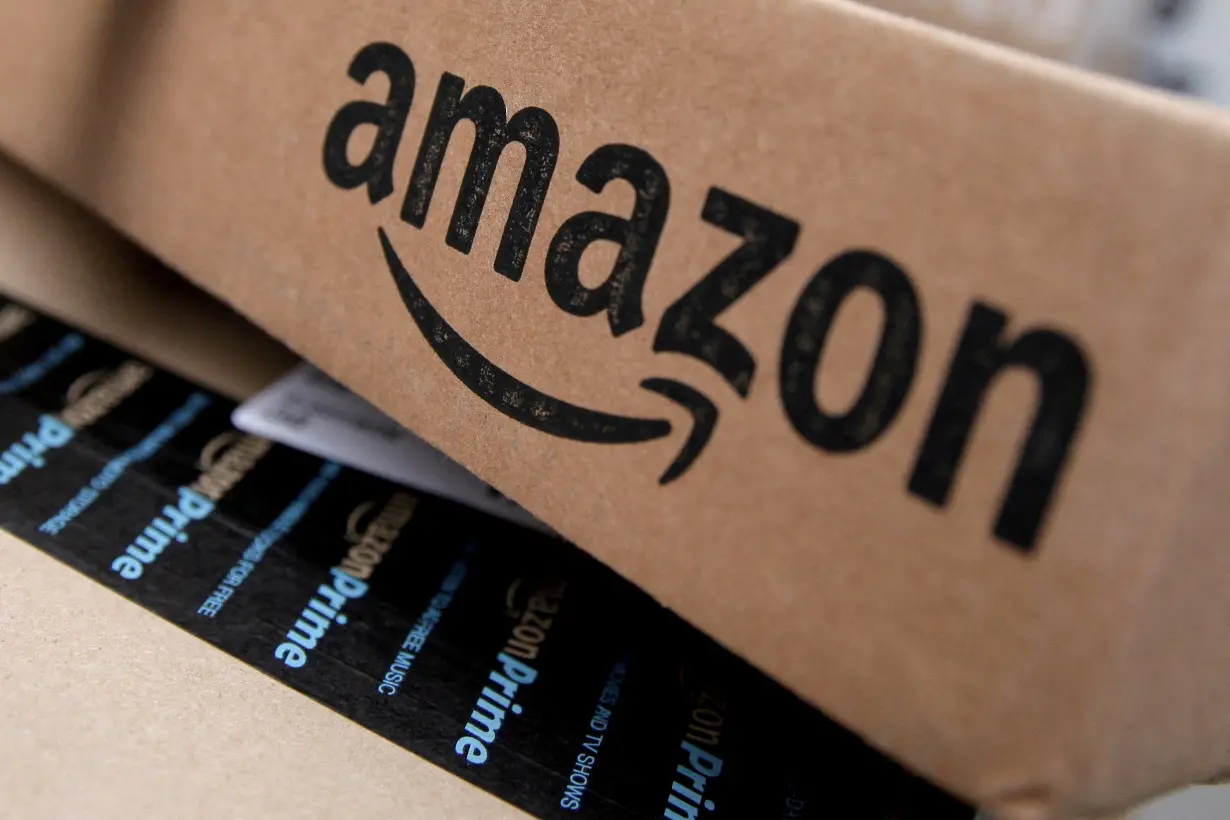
point(64, 261)
point(1041, 650)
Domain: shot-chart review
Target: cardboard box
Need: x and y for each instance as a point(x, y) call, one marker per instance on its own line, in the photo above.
point(1019, 597)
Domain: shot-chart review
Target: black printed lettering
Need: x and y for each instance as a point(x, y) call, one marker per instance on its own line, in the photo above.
point(376, 171)
point(637, 237)
point(533, 128)
point(892, 373)
point(1063, 385)
point(687, 326)
point(690, 326)
point(704, 420)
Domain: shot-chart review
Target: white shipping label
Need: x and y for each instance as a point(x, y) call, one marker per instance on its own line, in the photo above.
point(309, 411)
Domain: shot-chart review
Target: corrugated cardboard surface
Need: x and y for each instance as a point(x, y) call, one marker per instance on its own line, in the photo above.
point(1079, 679)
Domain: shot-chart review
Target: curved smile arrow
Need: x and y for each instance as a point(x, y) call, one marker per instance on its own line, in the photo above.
point(529, 406)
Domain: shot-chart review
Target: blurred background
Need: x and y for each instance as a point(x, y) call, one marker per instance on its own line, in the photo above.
point(1180, 45)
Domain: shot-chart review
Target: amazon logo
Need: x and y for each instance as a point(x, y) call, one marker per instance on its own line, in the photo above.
point(690, 325)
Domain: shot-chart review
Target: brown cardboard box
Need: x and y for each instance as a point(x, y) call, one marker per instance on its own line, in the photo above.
point(1046, 645)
